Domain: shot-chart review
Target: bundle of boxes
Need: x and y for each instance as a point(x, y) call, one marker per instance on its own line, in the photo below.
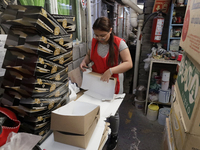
point(39, 52)
point(75, 123)
point(184, 116)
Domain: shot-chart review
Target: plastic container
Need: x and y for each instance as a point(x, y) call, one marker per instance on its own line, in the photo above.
point(139, 104)
point(141, 93)
point(165, 75)
point(164, 96)
point(165, 85)
point(152, 112)
point(163, 114)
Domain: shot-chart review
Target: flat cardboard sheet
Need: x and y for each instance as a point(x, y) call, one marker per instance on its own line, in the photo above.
point(3, 38)
point(97, 88)
point(107, 108)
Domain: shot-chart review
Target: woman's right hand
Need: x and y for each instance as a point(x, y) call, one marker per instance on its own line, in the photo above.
point(83, 66)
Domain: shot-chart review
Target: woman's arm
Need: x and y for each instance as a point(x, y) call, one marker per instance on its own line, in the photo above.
point(126, 62)
point(85, 61)
point(121, 68)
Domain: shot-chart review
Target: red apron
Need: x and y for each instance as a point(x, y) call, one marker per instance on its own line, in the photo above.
point(100, 64)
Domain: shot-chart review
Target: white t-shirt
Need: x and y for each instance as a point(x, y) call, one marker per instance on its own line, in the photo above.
point(103, 49)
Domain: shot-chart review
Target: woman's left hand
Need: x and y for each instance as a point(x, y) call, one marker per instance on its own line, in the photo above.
point(106, 76)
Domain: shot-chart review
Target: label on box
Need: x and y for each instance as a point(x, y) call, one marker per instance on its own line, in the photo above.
point(189, 84)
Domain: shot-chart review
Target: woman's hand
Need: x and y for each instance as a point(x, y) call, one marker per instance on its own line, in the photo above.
point(83, 66)
point(106, 76)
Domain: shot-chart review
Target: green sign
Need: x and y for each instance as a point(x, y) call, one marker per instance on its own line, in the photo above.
point(188, 83)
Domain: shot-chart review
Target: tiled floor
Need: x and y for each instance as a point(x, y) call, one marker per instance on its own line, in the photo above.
point(136, 132)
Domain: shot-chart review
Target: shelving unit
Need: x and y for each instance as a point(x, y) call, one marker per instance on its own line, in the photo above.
point(174, 25)
point(153, 61)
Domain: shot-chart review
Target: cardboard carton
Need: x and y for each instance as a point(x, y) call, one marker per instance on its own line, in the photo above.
point(190, 37)
point(183, 139)
point(79, 140)
point(168, 140)
point(75, 117)
point(187, 90)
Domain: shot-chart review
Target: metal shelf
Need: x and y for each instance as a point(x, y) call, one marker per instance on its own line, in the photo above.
point(171, 25)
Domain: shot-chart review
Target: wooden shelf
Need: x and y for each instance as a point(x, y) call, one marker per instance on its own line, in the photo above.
point(160, 61)
point(176, 25)
point(164, 61)
point(175, 38)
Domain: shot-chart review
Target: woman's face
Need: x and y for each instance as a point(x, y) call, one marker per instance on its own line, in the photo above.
point(102, 36)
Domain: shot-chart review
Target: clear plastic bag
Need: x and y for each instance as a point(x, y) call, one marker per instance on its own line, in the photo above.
point(21, 141)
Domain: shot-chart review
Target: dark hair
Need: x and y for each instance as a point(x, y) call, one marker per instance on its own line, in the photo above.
point(104, 24)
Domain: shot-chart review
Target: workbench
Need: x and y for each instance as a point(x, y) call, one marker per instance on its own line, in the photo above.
point(107, 108)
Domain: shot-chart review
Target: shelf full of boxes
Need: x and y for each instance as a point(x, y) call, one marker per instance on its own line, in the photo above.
point(39, 52)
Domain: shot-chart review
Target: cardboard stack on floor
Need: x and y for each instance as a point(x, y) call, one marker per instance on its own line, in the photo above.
point(39, 50)
point(184, 117)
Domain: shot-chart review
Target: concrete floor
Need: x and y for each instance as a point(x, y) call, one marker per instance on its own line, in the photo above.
point(136, 132)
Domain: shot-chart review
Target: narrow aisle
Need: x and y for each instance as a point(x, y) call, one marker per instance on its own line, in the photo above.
point(136, 132)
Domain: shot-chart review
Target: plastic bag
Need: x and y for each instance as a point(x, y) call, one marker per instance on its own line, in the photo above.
point(21, 141)
point(147, 64)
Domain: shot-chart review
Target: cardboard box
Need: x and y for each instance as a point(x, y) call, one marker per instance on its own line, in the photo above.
point(76, 139)
point(183, 140)
point(190, 36)
point(188, 94)
point(75, 117)
point(168, 140)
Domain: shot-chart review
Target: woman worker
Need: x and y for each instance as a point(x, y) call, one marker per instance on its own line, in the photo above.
point(111, 56)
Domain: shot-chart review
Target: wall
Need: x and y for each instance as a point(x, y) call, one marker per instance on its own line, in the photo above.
point(146, 44)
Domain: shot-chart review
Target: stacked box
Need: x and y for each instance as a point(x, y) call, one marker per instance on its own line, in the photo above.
point(39, 51)
point(74, 123)
point(185, 109)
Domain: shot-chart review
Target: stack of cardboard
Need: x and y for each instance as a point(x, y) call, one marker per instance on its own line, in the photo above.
point(39, 51)
point(184, 116)
point(104, 136)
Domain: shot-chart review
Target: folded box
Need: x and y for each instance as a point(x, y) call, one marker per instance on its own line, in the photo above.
point(79, 140)
point(75, 117)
